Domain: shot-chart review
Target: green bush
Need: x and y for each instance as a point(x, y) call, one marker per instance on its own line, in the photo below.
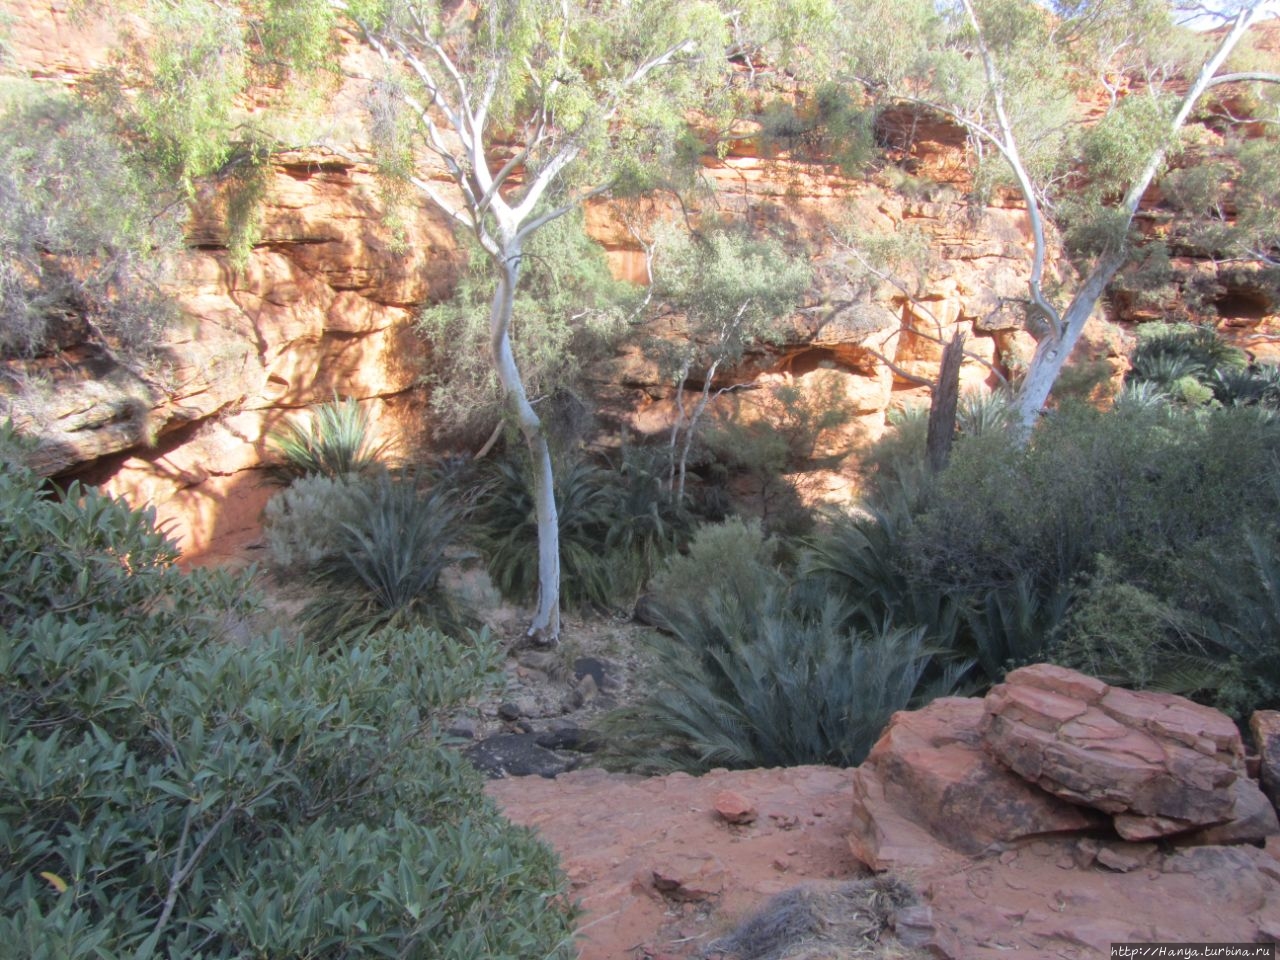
point(613, 528)
point(760, 681)
point(1190, 364)
point(385, 564)
point(1118, 541)
point(333, 441)
point(755, 670)
point(84, 235)
point(735, 558)
point(172, 785)
point(302, 522)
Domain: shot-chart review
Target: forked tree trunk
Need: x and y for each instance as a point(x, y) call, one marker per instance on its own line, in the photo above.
point(545, 626)
point(1052, 351)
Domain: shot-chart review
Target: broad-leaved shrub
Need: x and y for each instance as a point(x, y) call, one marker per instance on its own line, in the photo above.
point(173, 785)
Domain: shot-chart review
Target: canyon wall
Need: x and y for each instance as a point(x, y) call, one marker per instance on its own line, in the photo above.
point(326, 301)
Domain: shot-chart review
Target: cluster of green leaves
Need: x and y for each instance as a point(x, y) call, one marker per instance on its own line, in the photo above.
point(1136, 543)
point(569, 311)
point(373, 545)
point(828, 124)
point(333, 441)
point(1194, 366)
point(755, 669)
point(616, 525)
point(174, 784)
point(385, 563)
point(732, 288)
point(82, 239)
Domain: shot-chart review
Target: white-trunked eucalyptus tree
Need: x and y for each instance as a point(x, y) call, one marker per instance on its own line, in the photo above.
point(576, 92)
point(1012, 72)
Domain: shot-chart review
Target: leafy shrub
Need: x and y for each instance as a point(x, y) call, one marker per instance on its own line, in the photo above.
point(645, 524)
point(302, 522)
point(613, 529)
point(735, 558)
point(1257, 385)
point(334, 441)
point(861, 557)
point(81, 243)
point(1184, 361)
point(571, 309)
point(752, 681)
point(385, 565)
point(1119, 632)
point(172, 785)
point(755, 670)
point(1118, 542)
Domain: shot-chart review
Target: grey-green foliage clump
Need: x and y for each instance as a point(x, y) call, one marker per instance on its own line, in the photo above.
point(754, 670)
point(1137, 543)
point(615, 528)
point(82, 238)
point(384, 567)
point(846, 921)
point(569, 309)
point(302, 522)
point(335, 440)
point(172, 784)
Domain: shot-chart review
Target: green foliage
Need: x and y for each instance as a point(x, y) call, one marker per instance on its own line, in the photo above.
point(1112, 543)
point(333, 441)
point(645, 526)
point(732, 287)
point(1119, 146)
point(1195, 366)
point(861, 558)
point(758, 669)
point(826, 125)
point(613, 529)
point(754, 679)
point(301, 522)
point(82, 244)
point(1119, 632)
point(733, 558)
point(385, 564)
point(173, 785)
point(569, 311)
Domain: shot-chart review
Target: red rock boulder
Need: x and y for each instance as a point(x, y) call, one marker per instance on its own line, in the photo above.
point(928, 779)
point(1158, 763)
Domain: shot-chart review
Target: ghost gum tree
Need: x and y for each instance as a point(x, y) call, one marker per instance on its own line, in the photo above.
point(1011, 73)
point(503, 114)
point(577, 94)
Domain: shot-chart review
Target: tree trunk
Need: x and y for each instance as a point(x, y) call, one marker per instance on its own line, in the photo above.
point(545, 626)
point(942, 411)
point(1052, 352)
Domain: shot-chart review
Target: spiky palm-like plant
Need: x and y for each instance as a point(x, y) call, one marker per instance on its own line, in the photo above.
point(386, 565)
point(335, 441)
point(595, 569)
point(749, 681)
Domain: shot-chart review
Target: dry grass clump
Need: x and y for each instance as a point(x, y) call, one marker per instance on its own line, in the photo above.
point(849, 921)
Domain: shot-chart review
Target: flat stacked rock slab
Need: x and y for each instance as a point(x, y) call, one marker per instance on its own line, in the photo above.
point(928, 779)
point(1158, 764)
point(1052, 752)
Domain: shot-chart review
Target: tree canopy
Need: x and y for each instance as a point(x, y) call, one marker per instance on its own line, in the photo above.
point(1017, 77)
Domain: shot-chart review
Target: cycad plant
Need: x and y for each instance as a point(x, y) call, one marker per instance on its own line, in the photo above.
point(751, 682)
point(587, 502)
point(386, 565)
point(756, 670)
point(334, 441)
point(861, 557)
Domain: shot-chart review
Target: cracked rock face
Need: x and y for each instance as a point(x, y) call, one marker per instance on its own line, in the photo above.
point(1158, 763)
